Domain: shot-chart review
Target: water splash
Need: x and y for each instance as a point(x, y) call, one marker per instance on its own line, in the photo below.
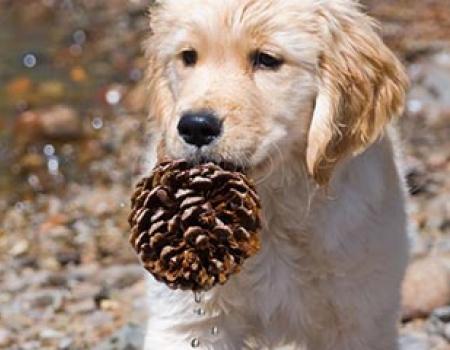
point(29, 60)
point(195, 343)
point(113, 97)
point(215, 331)
point(198, 297)
point(200, 311)
point(97, 123)
point(49, 150)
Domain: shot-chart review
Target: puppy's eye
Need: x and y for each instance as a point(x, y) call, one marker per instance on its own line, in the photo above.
point(189, 57)
point(263, 60)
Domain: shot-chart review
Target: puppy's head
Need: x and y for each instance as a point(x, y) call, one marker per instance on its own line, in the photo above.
point(243, 81)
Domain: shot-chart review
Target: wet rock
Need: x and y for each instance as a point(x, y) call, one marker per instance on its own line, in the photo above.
point(120, 277)
point(130, 337)
point(447, 332)
point(61, 122)
point(425, 288)
point(5, 337)
point(31, 345)
point(102, 201)
point(99, 319)
point(50, 334)
point(44, 299)
point(443, 314)
point(19, 87)
point(82, 307)
point(65, 343)
point(414, 341)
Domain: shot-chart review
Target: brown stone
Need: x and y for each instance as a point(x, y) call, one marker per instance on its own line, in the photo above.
point(426, 287)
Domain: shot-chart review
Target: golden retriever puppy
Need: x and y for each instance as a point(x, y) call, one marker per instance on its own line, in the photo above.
point(298, 93)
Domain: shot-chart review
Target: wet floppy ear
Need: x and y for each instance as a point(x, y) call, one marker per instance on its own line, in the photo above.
point(361, 87)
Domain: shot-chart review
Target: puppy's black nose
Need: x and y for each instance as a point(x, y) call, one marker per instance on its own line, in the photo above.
point(199, 128)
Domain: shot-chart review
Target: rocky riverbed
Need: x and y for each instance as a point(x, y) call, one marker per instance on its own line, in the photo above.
point(71, 121)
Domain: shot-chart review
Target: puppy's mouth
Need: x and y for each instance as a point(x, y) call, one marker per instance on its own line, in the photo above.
point(226, 165)
point(202, 158)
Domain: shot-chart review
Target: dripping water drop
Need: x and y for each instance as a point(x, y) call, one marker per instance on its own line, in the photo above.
point(200, 312)
point(198, 297)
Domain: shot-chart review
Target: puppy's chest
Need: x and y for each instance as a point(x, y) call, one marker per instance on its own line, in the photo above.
point(285, 280)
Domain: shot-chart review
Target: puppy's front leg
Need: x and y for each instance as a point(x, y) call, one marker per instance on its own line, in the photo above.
point(176, 324)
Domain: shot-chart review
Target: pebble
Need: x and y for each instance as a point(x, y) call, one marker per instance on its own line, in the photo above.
point(425, 288)
point(129, 337)
point(443, 314)
point(447, 332)
point(46, 298)
point(65, 344)
point(61, 122)
point(417, 341)
point(5, 337)
point(58, 122)
point(120, 277)
point(82, 307)
point(49, 333)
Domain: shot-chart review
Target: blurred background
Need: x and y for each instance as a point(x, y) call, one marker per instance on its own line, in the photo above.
point(71, 117)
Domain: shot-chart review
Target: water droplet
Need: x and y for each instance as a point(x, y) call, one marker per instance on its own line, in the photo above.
point(135, 74)
point(49, 150)
point(67, 149)
point(29, 60)
point(198, 297)
point(75, 50)
point(34, 182)
point(215, 331)
point(20, 206)
point(53, 166)
point(415, 106)
point(113, 97)
point(97, 123)
point(21, 105)
point(195, 343)
point(79, 37)
point(200, 312)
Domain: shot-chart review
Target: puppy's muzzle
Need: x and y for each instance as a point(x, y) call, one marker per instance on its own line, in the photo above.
point(199, 128)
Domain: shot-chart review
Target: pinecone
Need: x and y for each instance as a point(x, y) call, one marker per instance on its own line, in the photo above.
point(193, 227)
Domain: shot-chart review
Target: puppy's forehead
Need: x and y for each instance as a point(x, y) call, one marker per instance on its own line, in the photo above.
point(274, 21)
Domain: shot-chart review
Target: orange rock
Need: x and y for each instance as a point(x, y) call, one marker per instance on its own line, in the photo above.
point(61, 122)
point(54, 221)
point(32, 161)
point(52, 89)
point(425, 288)
point(28, 127)
point(78, 74)
point(18, 87)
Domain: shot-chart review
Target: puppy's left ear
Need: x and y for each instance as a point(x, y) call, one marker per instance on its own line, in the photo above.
point(361, 87)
